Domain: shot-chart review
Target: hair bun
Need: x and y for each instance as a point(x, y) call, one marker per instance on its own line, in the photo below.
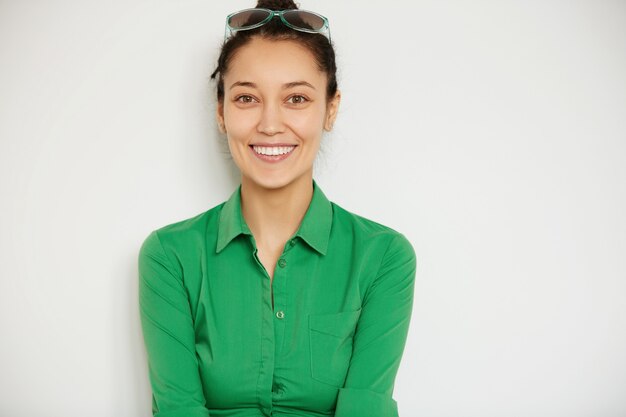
point(276, 4)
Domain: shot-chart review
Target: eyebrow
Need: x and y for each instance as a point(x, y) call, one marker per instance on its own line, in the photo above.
point(285, 86)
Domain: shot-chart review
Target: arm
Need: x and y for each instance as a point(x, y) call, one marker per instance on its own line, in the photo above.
point(380, 336)
point(169, 335)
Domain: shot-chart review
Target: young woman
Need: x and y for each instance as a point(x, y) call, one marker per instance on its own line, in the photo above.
point(276, 302)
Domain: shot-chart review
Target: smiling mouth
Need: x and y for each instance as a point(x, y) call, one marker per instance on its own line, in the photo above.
point(272, 154)
point(273, 150)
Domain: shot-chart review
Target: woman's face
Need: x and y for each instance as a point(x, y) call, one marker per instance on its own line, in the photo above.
point(275, 111)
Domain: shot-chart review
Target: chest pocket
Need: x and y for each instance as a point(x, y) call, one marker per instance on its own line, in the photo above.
point(330, 337)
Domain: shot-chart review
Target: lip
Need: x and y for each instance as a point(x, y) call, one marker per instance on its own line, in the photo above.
point(272, 144)
point(272, 158)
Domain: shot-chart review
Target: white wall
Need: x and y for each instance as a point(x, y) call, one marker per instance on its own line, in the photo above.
point(492, 133)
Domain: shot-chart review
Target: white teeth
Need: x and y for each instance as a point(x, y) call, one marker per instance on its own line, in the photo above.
point(272, 150)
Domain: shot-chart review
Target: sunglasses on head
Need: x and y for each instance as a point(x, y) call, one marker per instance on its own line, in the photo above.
point(302, 20)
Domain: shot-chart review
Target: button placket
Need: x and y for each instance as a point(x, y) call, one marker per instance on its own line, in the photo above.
point(282, 263)
point(280, 298)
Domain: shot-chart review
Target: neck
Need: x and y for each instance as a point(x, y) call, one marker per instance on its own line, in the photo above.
point(274, 215)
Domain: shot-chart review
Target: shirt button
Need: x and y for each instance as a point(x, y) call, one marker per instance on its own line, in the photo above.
point(280, 314)
point(292, 242)
point(282, 262)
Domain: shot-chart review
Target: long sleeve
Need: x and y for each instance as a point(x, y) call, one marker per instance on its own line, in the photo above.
point(168, 334)
point(380, 336)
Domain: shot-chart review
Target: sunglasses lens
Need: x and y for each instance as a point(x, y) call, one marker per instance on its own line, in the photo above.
point(304, 19)
point(247, 18)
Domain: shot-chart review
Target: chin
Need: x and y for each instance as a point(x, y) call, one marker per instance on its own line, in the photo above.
point(272, 182)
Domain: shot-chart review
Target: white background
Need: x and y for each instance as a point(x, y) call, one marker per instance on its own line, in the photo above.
point(491, 133)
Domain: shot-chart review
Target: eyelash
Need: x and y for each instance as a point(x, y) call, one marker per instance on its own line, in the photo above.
point(246, 96)
point(304, 99)
point(238, 98)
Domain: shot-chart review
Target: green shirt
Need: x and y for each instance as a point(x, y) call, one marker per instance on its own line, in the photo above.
point(330, 346)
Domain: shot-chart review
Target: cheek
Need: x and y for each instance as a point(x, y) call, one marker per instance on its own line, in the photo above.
point(237, 151)
point(308, 124)
point(239, 125)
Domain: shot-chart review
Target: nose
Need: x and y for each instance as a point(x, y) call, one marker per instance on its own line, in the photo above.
point(271, 121)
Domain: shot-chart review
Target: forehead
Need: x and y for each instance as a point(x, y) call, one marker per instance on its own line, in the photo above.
point(273, 61)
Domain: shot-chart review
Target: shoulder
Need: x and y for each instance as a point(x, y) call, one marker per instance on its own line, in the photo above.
point(385, 238)
point(183, 235)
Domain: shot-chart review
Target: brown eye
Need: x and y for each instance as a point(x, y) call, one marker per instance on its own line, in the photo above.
point(246, 99)
point(297, 99)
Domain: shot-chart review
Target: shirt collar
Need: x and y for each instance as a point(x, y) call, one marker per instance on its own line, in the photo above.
point(314, 228)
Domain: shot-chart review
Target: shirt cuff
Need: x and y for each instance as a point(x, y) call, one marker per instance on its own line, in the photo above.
point(352, 402)
point(185, 412)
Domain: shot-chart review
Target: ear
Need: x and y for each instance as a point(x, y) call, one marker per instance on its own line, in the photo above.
point(219, 116)
point(331, 111)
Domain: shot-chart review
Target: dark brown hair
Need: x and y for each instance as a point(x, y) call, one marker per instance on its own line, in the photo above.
point(318, 44)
